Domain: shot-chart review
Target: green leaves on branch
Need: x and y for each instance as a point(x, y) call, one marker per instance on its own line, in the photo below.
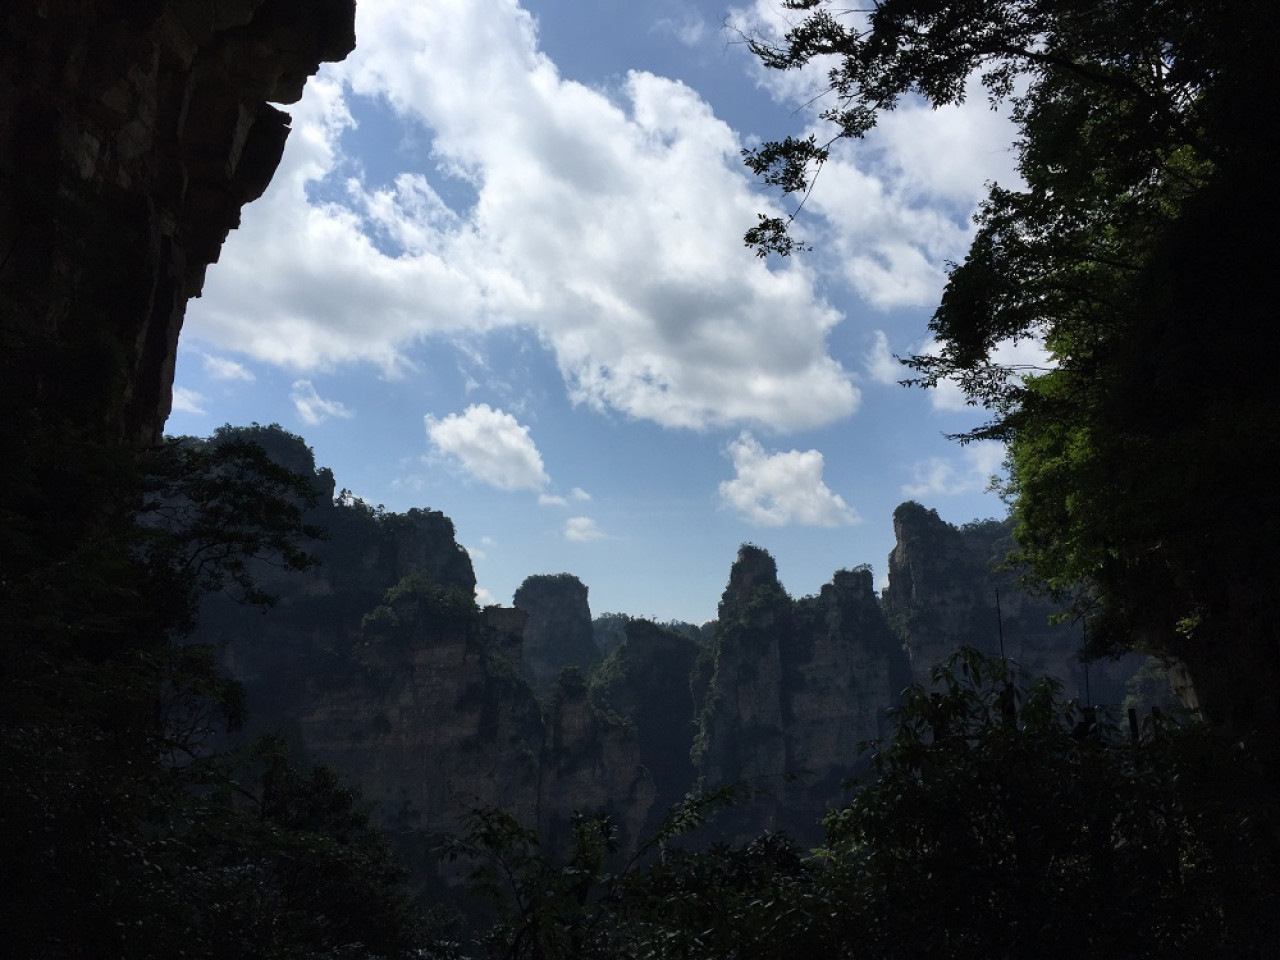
point(1132, 255)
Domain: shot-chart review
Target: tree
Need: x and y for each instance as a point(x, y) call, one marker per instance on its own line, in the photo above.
point(997, 821)
point(1137, 250)
point(125, 833)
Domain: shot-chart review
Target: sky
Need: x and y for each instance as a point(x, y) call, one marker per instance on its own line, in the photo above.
point(500, 274)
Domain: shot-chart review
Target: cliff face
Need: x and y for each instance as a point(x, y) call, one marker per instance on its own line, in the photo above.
point(131, 134)
point(796, 686)
point(943, 583)
point(379, 663)
point(651, 680)
point(742, 734)
point(844, 670)
point(558, 633)
point(591, 762)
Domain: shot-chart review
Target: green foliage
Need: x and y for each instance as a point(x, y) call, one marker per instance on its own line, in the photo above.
point(609, 630)
point(1004, 822)
point(1149, 688)
point(211, 511)
point(570, 684)
point(1135, 254)
point(417, 609)
point(124, 832)
point(586, 902)
point(997, 820)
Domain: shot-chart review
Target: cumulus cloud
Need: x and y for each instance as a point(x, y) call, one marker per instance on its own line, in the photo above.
point(187, 401)
point(773, 490)
point(220, 368)
point(481, 552)
point(971, 472)
point(582, 529)
point(491, 446)
point(313, 408)
point(767, 21)
point(880, 363)
point(668, 318)
point(889, 210)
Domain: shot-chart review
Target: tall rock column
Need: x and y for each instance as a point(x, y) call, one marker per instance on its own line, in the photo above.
point(558, 633)
point(741, 728)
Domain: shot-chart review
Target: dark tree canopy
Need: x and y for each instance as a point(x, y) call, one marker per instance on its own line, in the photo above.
point(1139, 251)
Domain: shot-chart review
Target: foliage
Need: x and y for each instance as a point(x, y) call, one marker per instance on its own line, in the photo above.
point(997, 821)
point(417, 608)
point(1150, 688)
point(1134, 253)
point(212, 510)
point(609, 630)
point(125, 832)
point(1002, 822)
point(586, 901)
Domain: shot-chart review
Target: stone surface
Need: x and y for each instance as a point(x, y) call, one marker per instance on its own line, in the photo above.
point(378, 663)
point(944, 582)
point(796, 686)
point(650, 679)
point(558, 633)
point(131, 134)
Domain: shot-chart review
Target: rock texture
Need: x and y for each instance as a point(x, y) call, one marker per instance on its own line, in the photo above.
point(131, 134)
point(558, 633)
point(943, 586)
point(844, 668)
point(379, 663)
point(652, 680)
point(796, 686)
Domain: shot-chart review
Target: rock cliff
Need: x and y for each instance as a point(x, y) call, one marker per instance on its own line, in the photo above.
point(942, 592)
point(558, 633)
point(379, 663)
point(795, 687)
point(652, 680)
point(131, 134)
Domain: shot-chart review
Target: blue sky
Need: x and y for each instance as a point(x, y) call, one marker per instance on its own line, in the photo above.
point(500, 274)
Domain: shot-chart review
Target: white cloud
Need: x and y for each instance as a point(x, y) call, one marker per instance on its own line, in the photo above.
point(782, 488)
point(220, 368)
point(492, 446)
point(881, 365)
point(577, 493)
point(888, 211)
point(610, 224)
point(582, 529)
point(313, 408)
point(187, 401)
point(689, 30)
point(551, 500)
point(938, 476)
point(767, 21)
point(484, 598)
